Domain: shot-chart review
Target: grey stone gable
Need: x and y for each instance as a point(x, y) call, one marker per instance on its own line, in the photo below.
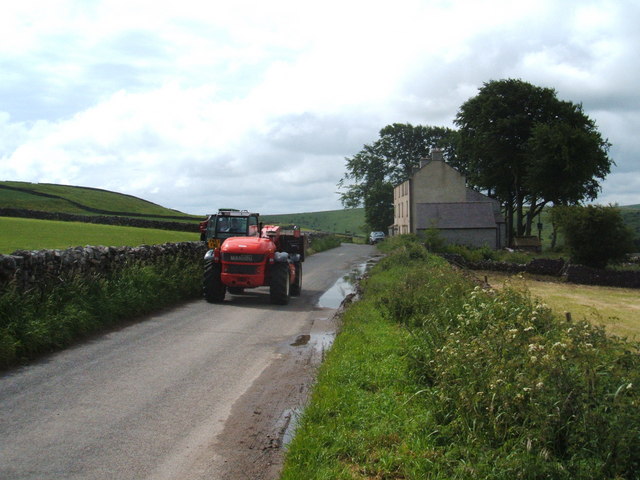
point(455, 215)
point(473, 196)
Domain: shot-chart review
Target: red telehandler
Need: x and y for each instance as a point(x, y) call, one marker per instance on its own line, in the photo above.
point(245, 254)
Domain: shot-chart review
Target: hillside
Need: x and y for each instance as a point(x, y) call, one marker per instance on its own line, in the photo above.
point(75, 200)
point(47, 197)
point(335, 221)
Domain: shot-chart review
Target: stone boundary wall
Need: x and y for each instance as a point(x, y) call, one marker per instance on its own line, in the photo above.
point(559, 268)
point(32, 269)
point(101, 219)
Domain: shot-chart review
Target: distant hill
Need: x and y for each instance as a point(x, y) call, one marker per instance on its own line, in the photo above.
point(349, 221)
point(87, 201)
point(47, 197)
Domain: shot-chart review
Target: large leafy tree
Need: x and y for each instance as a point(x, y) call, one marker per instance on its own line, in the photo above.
point(528, 148)
point(377, 168)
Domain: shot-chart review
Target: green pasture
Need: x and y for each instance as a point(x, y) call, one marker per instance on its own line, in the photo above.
point(88, 197)
point(349, 221)
point(30, 234)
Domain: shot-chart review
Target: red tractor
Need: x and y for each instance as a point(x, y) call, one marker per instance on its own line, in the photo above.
point(245, 254)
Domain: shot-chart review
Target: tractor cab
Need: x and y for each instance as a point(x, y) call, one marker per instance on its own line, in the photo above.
point(229, 223)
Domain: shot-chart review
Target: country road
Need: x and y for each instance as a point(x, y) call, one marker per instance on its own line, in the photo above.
point(199, 391)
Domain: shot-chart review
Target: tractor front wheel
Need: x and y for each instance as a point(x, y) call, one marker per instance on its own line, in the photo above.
point(279, 285)
point(212, 286)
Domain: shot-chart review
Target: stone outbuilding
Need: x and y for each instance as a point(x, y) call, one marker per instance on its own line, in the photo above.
point(436, 196)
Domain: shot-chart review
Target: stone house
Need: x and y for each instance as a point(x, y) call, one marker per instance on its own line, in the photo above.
point(436, 196)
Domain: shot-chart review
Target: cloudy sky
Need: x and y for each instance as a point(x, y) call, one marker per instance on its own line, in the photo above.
point(197, 105)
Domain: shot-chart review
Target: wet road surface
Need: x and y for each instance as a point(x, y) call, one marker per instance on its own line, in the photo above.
point(154, 399)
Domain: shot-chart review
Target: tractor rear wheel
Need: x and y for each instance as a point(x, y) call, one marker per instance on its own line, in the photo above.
point(296, 286)
point(279, 285)
point(212, 286)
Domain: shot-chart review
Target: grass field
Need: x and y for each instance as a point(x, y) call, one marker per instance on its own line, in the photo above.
point(87, 197)
point(618, 309)
point(335, 221)
point(29, 234)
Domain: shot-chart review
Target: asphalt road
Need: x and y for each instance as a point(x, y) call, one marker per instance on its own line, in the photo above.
point(148, 401)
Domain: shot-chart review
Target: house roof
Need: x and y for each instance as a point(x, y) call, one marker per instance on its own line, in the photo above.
point(455, 215)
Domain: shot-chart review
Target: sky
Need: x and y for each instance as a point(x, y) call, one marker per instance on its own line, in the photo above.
point(197, 105)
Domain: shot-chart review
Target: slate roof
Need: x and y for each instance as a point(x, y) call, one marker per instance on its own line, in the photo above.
point(457, 215)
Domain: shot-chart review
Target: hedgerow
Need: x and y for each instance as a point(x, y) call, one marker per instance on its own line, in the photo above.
point(515, 391)
point(51, 318)
point(433, 376)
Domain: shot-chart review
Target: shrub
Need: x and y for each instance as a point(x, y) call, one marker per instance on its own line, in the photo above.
point(514, 391)
point(595, 235)
point(322, 243)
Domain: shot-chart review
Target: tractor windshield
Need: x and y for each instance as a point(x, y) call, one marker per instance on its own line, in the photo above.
point(230, 226)
point(222, 226)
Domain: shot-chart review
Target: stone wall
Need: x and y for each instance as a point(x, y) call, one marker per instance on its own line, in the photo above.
point(102, 219)
point(30, 269)
point(555, 267)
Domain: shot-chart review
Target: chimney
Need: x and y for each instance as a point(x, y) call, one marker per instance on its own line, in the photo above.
point(423, 161)
point(436, 154)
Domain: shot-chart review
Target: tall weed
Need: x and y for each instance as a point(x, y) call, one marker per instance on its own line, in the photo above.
point(514, 391)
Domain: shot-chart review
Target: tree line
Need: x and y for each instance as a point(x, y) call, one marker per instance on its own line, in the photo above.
point(515, 141)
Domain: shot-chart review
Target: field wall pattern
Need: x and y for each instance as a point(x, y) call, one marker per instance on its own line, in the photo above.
point(102, 219)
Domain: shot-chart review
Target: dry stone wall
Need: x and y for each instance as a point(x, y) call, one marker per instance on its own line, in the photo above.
point(101, 219)
point(556, 267)
point(30, 269)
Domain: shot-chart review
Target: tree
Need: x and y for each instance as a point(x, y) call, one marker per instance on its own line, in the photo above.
point(377, 168)
point(595, 235)
point(527, 148)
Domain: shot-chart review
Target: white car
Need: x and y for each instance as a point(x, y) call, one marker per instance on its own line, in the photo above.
point(376, 237)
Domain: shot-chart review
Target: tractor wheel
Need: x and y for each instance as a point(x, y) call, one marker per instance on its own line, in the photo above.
point(279, 288)
point(296, 287)
point(212, 286)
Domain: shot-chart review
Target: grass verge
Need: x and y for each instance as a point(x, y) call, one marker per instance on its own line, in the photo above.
point(38, 322)
point(326, 242)
point(434, 377)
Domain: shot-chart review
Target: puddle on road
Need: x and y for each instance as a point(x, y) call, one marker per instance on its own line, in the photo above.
point(344, 286)
point(301, 340)
point(321, 337)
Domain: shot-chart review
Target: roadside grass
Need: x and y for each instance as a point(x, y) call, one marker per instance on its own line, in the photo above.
point(31, 234)
point(434, 377)
point(326, 242)
point(42, 321)
point(617, 309)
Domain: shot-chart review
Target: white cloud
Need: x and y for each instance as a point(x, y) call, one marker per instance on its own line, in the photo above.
point(196, 104)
